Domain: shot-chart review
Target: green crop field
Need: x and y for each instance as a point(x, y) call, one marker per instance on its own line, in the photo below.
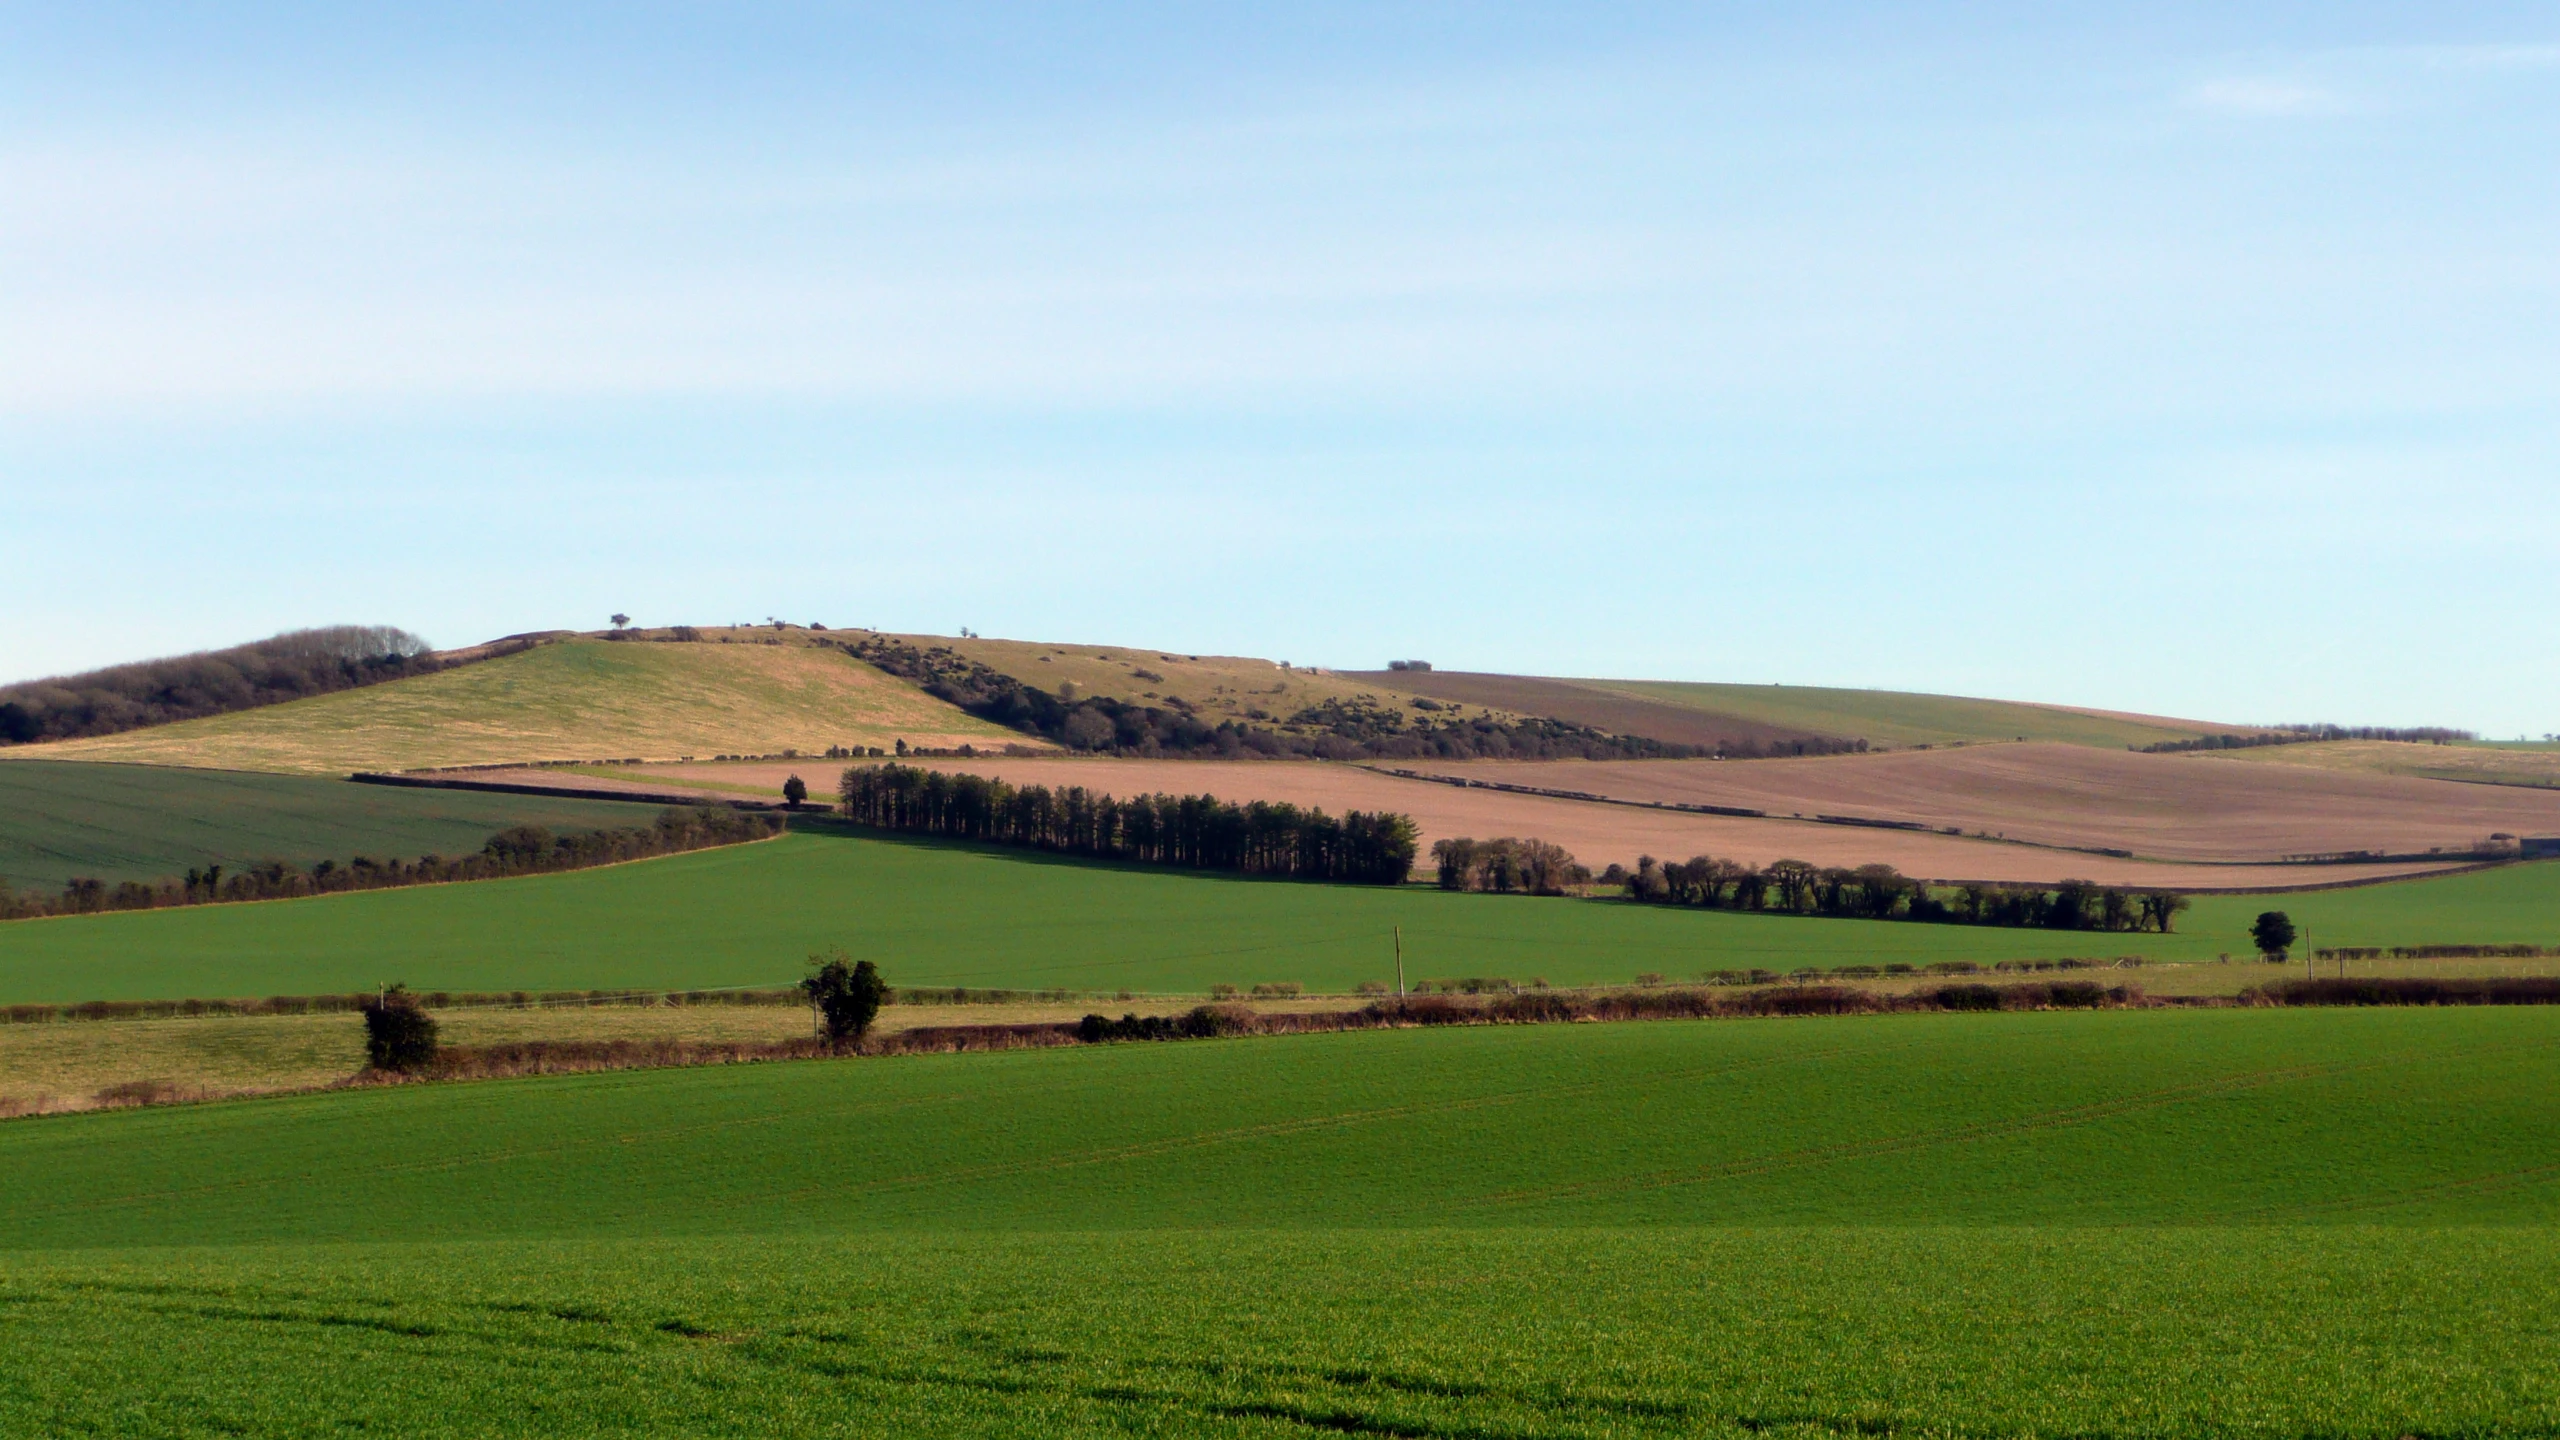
point(59, 819)
point(573, 700)
point(2143, 1223)
point(935, 914)
point(1898, 718)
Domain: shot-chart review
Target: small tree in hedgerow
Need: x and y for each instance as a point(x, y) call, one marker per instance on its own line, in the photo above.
point(847, 995)
point(2274, 935)
point(795, 791)
point(399, 1035)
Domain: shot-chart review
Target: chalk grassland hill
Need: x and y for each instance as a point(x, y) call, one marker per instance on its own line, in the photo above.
point(939, 914)
point(1217, 688)
point(2535, 767)
point(2129, 1223)
point(1595, 833)
point(2183, 807)
point(60, 819)
point(577, 699)
point(1883, 718)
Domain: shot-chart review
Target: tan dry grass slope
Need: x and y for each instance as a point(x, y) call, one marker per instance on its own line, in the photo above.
point(1218, 687)
point(2534, 767)
point(756, 694)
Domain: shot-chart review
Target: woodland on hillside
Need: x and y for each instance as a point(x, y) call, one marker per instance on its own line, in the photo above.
point(211, 682)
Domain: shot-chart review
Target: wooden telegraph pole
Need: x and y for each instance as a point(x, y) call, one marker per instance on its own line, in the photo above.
point(1399, 962)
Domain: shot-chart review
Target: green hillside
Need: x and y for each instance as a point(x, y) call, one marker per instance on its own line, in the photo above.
point(2128, 1223)
point(1896, 718)
point(145, 822)
point(935, 914)
point(574, 700)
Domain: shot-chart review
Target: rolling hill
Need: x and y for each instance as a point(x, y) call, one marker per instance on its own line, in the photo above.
point(1773, 716)
point(941, 914)
point(578, 699)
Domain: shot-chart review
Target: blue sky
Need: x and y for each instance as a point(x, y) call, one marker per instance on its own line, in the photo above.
point(2140, 357)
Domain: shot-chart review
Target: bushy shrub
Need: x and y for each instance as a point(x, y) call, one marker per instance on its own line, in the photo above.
point(399, 1035)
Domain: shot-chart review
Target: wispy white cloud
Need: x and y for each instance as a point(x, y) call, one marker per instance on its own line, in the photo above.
point(2263, 95)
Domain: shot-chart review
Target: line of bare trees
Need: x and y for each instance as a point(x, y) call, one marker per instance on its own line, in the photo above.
point(1198, 832)
point(1880, 892)
point(211, 682)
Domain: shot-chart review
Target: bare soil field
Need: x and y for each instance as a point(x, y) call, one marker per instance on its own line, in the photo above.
point(1596, 833)
point(2175, 807)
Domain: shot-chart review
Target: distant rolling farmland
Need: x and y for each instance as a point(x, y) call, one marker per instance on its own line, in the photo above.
point(61, 819)
point(2185, 807)
point(943, 914)
point(1881, 717)
point(1596, 833)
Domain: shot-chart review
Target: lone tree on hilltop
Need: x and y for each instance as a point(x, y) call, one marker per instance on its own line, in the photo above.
point(2273, 934)
point(621, 620)
point(847, 995)
point(794, 791)
point(399, 1035)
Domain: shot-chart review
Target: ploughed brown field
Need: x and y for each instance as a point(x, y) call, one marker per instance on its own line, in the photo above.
point(1596, 833)
point(2172, 807)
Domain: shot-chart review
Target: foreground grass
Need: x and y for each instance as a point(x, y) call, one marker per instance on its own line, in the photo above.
point(1729, 1331)
point(2125, 1223)
point(2120, 1118)
point(937, 914)
point(149, 822)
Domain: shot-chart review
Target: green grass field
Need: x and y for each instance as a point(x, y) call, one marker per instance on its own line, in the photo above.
point(1898, 718)
point(574, 700)
point(936, 914)
point(59, 819)
point(2265, 1223)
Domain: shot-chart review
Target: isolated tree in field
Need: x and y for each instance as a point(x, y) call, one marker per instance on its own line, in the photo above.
point(621, 620)
point(847, 994)
point(794, 791)
point(2273, 934)
point(2160, 908)
point(399, 1035)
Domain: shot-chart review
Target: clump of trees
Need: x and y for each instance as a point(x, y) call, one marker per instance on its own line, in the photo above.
point(1197, 832)
point(1507, 866)
point(1338, 728)
point(1880, 892)
point(2272, 932)
point(518, 850)
point(212, 682)
point(399, 1035)
point(847, 994)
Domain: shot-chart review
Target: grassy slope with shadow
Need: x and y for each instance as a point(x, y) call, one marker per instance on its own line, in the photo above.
point(145, 822)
